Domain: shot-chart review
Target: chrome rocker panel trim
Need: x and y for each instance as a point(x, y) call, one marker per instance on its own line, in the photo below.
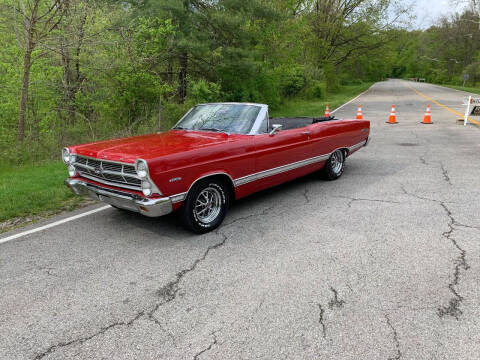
point(123, 200)
point(278, 170)
point(358, 146)
point(284, 168)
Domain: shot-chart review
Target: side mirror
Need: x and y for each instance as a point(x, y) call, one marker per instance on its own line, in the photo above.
point(275, 128)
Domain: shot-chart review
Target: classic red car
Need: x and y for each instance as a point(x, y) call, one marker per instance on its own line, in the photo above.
point(215, 154)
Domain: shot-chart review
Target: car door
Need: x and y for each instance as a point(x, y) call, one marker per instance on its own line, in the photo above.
point(280, 157)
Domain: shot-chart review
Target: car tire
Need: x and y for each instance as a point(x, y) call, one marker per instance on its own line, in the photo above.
point(334, 166)
point(205, 206)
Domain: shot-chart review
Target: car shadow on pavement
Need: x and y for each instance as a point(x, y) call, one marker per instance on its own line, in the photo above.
point(171, 225)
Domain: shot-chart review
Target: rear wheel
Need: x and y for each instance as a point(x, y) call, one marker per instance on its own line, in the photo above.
point(335, 165)
point(206, 206)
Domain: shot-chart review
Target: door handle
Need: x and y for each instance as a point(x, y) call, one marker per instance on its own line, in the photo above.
point(306, 133)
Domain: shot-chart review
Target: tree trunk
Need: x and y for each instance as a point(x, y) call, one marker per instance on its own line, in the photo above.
point(182, 77)
point(27, 64)
point(159, 115)
point(69, 87)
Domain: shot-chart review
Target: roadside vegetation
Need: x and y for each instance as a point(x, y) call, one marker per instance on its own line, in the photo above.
point(447, 53)
point(29, 190)
point(316, 108)
point(473, 90)
point(82, 70)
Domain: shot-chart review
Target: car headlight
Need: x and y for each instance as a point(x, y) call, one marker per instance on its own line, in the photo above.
point(66, 157)
point(141, 168)
point(72, 171)
point(146, 188)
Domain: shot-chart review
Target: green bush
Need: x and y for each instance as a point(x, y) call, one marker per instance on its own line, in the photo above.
point(473, 70)
point(292, 80)
point(316, 90)
point(202, 91)
point(350, 81)
point(331, 77)
point(438, 76)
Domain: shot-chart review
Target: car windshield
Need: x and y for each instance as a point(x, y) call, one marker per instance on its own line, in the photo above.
point(229, 118)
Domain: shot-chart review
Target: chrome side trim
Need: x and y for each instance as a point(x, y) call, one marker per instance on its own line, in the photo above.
point(263, 174)
point(284, 168)
point(357, 146)
point(278, 170)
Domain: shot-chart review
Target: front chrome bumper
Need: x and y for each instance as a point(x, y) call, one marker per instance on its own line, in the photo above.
point(123, 200)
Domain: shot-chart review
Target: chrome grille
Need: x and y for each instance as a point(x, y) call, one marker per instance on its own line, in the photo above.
point(107, 172)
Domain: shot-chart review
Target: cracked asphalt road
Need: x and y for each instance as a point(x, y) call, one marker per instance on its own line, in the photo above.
point(382, 264)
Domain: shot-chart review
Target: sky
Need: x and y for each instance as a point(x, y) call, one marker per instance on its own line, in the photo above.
point(427, 11)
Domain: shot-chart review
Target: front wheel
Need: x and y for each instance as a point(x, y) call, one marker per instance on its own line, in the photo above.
point(335, 165)
point(206, 206)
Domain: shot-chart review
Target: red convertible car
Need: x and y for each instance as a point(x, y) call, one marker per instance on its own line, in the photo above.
point(215, 154)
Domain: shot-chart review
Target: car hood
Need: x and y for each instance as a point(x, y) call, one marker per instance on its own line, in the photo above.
point(150, 146)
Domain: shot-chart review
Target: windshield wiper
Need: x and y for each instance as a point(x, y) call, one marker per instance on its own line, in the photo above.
point(179, 128)
point(215, 129)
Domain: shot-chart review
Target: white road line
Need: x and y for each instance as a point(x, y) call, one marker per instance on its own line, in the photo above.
point(355, 98)
point(48, 226)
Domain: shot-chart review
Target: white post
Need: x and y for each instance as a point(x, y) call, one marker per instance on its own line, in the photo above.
point(467, 112)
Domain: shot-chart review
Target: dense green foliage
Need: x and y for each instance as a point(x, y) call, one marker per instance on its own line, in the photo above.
point(83, 70)
point(442, 54)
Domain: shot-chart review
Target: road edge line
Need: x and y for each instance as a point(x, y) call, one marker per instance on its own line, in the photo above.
point(350, 101)
point(48, 226)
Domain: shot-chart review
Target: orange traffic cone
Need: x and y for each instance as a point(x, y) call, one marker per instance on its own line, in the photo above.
point(359, 113)
point(428, 116)
point(327, 112)
point(393, 118)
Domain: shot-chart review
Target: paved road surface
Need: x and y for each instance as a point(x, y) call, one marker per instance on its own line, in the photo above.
point(381, 264)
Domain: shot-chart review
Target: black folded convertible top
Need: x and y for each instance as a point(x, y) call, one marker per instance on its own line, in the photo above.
point(299, 122)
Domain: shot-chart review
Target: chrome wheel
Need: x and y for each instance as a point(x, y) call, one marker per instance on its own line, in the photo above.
point(208, 205)
point(337, 161)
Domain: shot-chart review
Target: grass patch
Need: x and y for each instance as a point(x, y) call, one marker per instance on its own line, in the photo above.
point(473, 90)
point(316, 108)
point(29, 190)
